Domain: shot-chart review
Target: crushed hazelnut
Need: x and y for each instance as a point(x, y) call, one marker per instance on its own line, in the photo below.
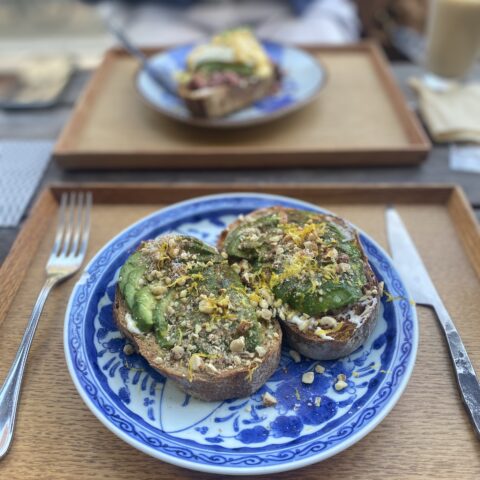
point(196, 362)
point(177, 352)
point(261, 351)
point(318, 401)
point(308, 377)
point(319, 368)
point(237, 345)
point(128, 349)
point(265, 314)
point(340, 385)
point(328, 322)
point(205, 306)
point(295, 355)
point(158, 289)
point(268, 400)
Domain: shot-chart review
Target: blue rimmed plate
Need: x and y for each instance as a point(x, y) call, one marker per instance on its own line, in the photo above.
point(303, 78)
point(238, 436)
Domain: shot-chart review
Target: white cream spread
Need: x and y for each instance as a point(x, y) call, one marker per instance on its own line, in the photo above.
point(131, 324)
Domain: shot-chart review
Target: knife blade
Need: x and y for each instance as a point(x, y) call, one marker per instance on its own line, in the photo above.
point(408, 262)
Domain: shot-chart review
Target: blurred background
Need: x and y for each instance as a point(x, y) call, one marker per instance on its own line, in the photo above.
point(76, 28)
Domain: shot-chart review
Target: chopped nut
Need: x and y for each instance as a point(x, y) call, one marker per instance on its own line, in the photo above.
point(340, 385)
point(319, 368)
point(181, 281)
point(237, 345)
point(206, 306)
point(177, 352)
point(224, 254)
point(328, 322)
point(268, 400)
point(158, 289)
point(263, 303)
point(342, 377)
point(318, 401)
point(295, 355)
point(308, 377)
point(248, 408)
point(332, 254)
point(128, 349)
point(237, 360)
point(211, 368)
point(196, 362)
point(265, 314)
point(344, 267)
point(236, 267)
point(183, 294)
point(261, 351)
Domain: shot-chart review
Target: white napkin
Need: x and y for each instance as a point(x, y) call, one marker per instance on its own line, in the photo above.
point(451, 114)
point(22, 164)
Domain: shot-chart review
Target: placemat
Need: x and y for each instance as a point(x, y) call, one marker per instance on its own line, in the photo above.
point(21, 167)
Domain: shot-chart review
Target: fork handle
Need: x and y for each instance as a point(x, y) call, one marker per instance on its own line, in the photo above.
point(10, 390)
point(466, 377)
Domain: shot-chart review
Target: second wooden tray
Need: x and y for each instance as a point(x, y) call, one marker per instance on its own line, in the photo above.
point(359, 119)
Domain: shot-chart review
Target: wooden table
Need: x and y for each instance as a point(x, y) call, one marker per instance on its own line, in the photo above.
point(47, 124)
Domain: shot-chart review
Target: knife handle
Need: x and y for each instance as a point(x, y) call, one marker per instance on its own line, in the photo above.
point(464, 371)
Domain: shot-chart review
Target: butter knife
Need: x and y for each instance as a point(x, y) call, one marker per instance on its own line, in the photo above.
point(409, 263)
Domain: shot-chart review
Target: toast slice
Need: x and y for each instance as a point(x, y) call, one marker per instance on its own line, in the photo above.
point(323, 289)
point(187, 313)
point(227, 74)
point(221, 100)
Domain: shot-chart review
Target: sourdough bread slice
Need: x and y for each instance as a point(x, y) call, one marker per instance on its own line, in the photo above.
point(221, 100)
point(318, 327)
point(229, 369)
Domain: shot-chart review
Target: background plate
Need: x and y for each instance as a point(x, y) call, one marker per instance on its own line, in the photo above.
point(303, 77)
point(238, 436)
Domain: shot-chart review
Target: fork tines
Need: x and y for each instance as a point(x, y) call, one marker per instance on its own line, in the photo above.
point(73, 226)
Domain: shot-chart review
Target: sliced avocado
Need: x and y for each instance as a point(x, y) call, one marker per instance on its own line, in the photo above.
point(160, 322)
point(143, 306)
point(133, 285)
point(237, 246)
point(134, 262)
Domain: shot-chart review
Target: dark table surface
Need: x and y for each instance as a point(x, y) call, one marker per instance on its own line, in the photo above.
point(47, 124)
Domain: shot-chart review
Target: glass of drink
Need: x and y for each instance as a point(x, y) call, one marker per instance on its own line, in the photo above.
point(453, 37)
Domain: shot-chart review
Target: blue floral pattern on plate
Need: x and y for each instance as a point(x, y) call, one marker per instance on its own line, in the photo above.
point(303, 76)
point(238, 436)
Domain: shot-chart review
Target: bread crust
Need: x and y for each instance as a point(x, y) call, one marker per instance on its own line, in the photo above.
point(228, 383)
point(350, 336)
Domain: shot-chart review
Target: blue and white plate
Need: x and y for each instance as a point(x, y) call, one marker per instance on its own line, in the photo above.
point(303, 78)
point(238, 436)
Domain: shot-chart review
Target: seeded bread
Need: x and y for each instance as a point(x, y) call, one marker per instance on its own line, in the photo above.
point(352, 323)
point(228, 383)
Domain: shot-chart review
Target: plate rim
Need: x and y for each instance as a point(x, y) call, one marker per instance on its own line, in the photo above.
point(226, 470)
point(219, 123)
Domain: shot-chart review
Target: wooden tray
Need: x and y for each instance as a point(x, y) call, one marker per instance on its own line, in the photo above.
point(427, 435)
point(359, 119)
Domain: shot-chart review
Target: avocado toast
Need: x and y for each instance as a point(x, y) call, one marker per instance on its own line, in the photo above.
point(188, 314)
point(227, 74)
point(313, 265)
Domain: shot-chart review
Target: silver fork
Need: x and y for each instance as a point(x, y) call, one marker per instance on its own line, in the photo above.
point(67, 256)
